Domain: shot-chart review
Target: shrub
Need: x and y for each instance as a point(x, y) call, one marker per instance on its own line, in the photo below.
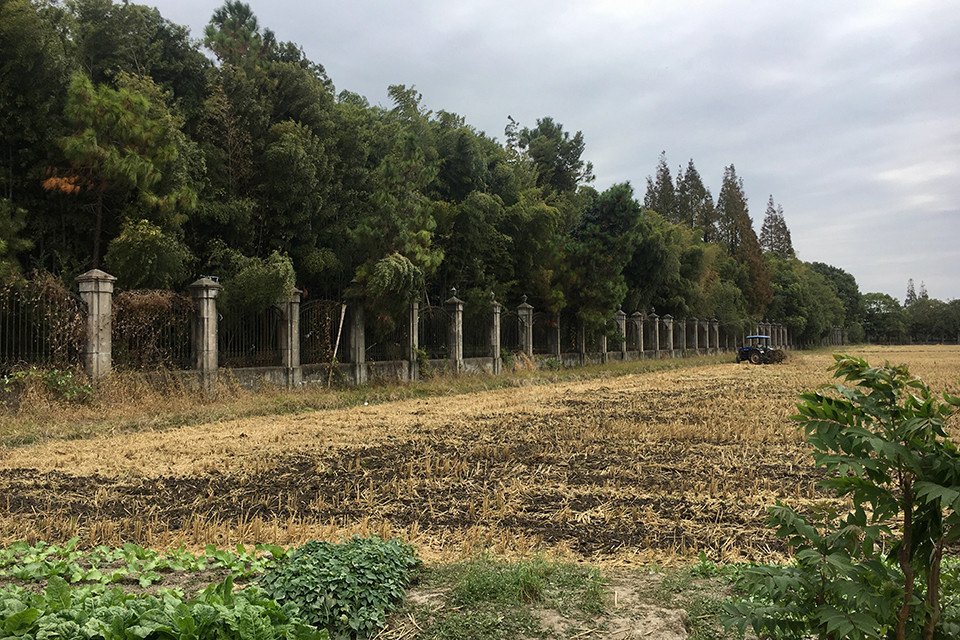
point(62, 384)
point(876, 570)
point(348, 588)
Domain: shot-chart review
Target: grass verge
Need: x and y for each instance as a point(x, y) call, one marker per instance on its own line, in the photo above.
point(128, 402)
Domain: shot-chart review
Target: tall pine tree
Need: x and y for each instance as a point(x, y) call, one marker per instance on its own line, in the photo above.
point(737, 235)
point(660, 196)
point(774, 234)
point(695, 204)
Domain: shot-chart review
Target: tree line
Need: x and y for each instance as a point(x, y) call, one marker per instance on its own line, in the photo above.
point(126, 147)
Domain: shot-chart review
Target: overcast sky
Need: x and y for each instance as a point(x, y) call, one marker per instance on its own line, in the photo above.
point(848, 113)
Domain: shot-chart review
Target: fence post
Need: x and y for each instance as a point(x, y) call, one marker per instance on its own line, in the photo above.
point(683, 337)
point(495, 309)
point(668, 325)
point(358, 342)
point(581, 343)
point(696, 335)
point(289, 336)
point(96, 290)
point(715, 330)
point(525, 315)
point(454, 306)
point(555, 340)
point(413, 341)
point(655, 333)
point(622, 327)
point(204, 293)
point(637, 319)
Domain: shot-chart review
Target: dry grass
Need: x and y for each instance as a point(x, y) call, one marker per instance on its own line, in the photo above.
point(622, 468)
point(127, 402)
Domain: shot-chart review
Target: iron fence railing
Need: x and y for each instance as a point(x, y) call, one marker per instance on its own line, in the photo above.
point(476, 332)
point(386, 341)
point(152, 329)
point(322, 322)
point(249, 339)
point(510, 325)
point(544, 332)
point(42, 324)
point(432, 328)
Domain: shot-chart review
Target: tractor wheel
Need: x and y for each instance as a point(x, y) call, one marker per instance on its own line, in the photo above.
point(755, 357)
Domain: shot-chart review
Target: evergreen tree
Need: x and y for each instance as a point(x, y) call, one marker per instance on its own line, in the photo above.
point(234, 36)
point(661, 195)
point(774, 234)
point(739, 238)
point(695, 204)
point(122, 145)
point(600, 249)
point(911, 296)
point(847, 289)
point(556, 156)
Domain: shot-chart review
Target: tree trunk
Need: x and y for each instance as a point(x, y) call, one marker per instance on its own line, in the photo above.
point(903, 556)
point(933, 592)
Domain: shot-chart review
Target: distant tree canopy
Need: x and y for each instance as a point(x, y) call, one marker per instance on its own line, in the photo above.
point(125, 145)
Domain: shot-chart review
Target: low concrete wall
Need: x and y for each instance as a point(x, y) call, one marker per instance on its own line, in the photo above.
point(398, 370)
point(318, 374)
point(478, 365)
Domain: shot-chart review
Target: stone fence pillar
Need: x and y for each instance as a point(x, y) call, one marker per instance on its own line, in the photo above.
point(454, 306)
point(358, 342)
point(637, 320)
point(556, 346)
point(696, 334)
point(668, 326)
point(715, 330)
point(495, 309)
point(96, 291)
point(655, 333)
point(683, 337)
point(413, 341)
point(204, 293)
point(581, 343)
point(289, 337)
point(525, 313)
point(621, 318)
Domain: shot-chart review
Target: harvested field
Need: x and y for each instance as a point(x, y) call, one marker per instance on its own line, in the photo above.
point(642, 467)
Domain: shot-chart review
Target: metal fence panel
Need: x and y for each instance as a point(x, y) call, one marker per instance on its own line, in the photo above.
point(433, 331)
point(386, 340)
point(152, 329)
point(42, 323)
point(250, 340)
point(476, 332)
point(321, 323)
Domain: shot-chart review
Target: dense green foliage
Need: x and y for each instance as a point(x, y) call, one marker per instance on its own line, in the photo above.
point(875, 570)
point(83, 613)
point(107, 566)
point(347, 588)
point(125, 145)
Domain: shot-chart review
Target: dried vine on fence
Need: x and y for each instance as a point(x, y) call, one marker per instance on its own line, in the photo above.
point(151, 329)
point(42, 323)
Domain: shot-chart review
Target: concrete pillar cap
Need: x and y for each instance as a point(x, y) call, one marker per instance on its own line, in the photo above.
point(95, 274)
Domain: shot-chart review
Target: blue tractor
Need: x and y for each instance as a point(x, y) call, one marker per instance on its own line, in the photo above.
point(757, 350)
